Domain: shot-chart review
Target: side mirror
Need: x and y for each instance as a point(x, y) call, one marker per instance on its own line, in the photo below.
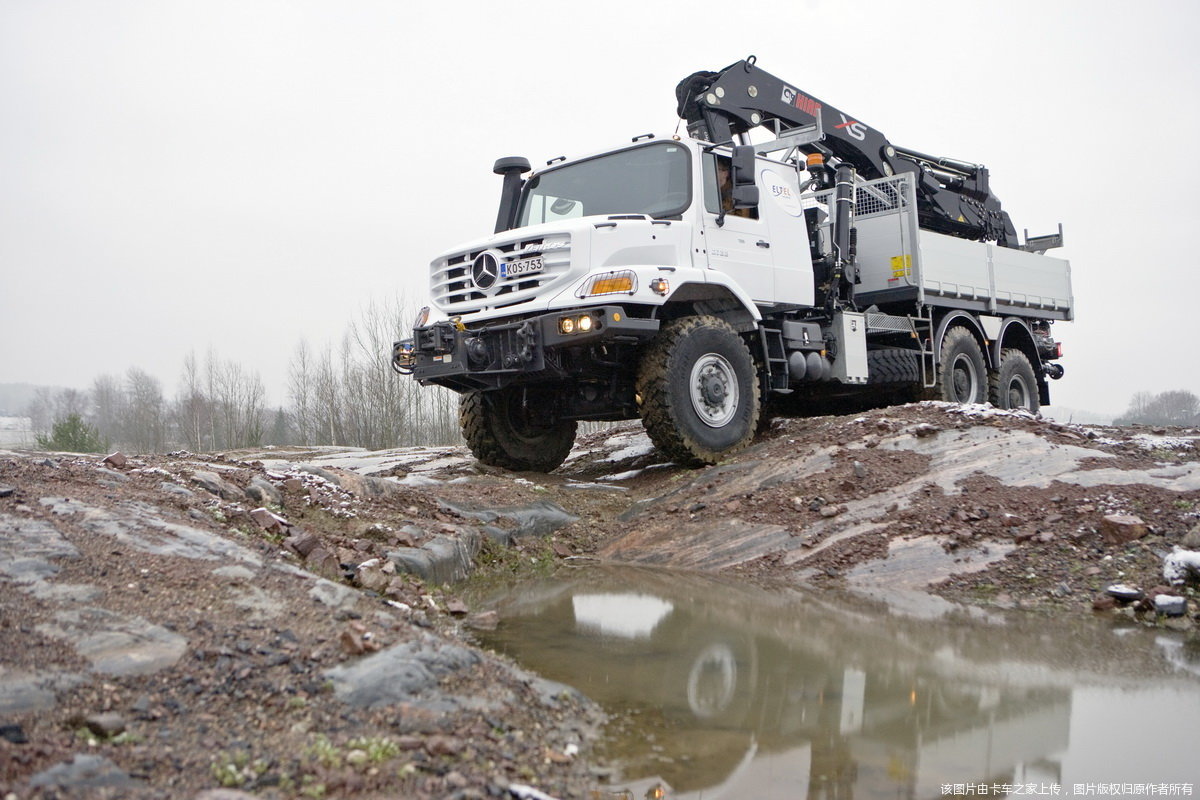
point(745, 192)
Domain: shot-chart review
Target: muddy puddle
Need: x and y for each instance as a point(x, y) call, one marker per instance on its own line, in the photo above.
point(716, 689)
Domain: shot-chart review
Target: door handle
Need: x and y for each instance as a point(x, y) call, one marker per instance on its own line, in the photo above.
point(761, 243)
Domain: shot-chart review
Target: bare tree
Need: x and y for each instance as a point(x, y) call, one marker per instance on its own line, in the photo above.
point(50, 406)
point(238, 399)
point(41, 410)
point(193, 409)
point(300, 393)
point(109, 407)
point(145, 424)
point(355, 398)
point(1176, 407)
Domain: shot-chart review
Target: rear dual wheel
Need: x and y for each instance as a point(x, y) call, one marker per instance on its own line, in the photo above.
point(1014, 385)
point(963, 376)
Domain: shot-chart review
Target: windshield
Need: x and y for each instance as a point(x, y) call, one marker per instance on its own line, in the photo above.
point(653, 179)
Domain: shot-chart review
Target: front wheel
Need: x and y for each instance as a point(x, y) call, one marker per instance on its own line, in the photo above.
point(1013, 385)
point(504, 429)
point(699, 391)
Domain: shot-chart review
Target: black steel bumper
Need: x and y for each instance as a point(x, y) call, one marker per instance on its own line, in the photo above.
point(492, 355)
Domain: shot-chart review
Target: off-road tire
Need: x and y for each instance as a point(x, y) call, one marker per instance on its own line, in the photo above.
point(499, 433)
point(962, 371)
point(1014, 384)
point(698, 363)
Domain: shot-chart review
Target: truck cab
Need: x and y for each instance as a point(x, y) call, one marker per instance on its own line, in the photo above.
point(649, 211)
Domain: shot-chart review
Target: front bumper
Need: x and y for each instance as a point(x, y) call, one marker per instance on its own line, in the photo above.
point(493, 355)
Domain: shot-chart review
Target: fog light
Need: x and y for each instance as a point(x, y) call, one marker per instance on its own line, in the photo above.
point(566, 325)
point(585, 324)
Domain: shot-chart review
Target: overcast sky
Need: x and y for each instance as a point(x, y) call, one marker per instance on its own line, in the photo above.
point(243, 174)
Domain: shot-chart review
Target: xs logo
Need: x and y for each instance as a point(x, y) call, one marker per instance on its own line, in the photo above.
point(855, 129)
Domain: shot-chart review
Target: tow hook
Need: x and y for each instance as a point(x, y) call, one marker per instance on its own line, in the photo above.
point(527, 336)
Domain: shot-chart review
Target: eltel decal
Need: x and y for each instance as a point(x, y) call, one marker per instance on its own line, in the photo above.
point(781, 192)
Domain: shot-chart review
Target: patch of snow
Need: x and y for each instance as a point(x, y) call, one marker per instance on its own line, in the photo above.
point(605, 487)
point(987, 411)
point(628, 453)
point(1107, 440)
point(1181, 565)
point(152, 471)
point(623, 476)
point(1152, 442)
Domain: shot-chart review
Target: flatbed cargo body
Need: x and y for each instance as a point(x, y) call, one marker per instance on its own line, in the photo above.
point(901, 264)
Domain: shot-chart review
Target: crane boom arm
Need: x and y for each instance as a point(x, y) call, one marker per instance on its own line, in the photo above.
point(952, 196)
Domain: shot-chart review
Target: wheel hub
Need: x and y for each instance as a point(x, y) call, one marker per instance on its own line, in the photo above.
point(962, 380)
point(1018, 394)
point(714, 390)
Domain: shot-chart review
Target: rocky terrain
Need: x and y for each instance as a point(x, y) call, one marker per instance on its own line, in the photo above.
point(293, 623)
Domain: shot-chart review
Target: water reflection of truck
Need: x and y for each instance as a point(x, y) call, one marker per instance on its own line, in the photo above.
point(811, 701)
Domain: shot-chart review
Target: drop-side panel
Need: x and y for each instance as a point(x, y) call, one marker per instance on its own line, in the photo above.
point(898, 261)
point(1027, 280)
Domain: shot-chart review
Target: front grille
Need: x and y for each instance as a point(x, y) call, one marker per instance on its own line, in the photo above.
point(455, 292)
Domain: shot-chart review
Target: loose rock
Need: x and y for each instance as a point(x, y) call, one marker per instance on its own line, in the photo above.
point(215, 484)
point(302, 542)
point(117, 459)
point(1120, 529)
point(269, 521)
point(263, 492)
point(14, 734)
point(106, 725)
point(1124, 594)
point(1170, 605)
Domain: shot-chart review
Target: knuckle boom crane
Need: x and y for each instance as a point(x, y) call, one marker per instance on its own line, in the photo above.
point(953, 196)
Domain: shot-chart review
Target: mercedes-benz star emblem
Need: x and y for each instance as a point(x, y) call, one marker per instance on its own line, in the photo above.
point(485, 269)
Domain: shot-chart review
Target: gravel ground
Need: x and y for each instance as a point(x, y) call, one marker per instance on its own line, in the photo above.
point(251, 621)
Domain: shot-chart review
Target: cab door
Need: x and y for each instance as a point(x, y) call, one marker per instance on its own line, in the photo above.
point(780, 207)
point(764, 249)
